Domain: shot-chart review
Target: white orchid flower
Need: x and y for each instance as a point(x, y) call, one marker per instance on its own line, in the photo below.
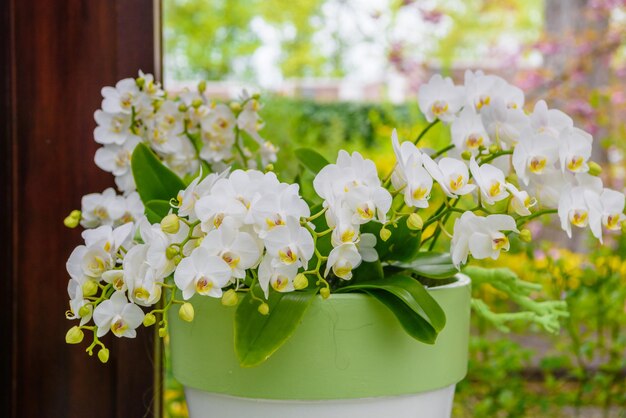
point(574, 150)
point(535, 155)
point(481, 90)
point(451, 174)
point(548, 185)
point(133, 209)
point(482, 237)
point(89, 263)
point(115, 159)
point(612, 203)
point(249, 119)
point(121, 98)
point(468, 132)
point(521, 202)
point(440, 99)
point(548, 121)
point(142, 280)
point(101, 208)
point(290, 244)
point(344, 229)
point(503, 124)
point(77, 301)
point(198, 188)
point(490, 181)
point(367, 247)
point(217, 147)
point(202, 273)
point(118, 315)
point(113, 128)
point(184, 161)
point(238, 249)
point(109, 239)
point(116, 278)
point(580, 206)
point(279, 276)
point(273, 208)
point(268, 152)
point(342, 260)
point(367, 203)
point(411, 174)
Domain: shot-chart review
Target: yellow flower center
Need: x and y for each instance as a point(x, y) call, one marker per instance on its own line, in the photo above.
point(231, 259)
point(217, 221)
point(118, 282)
point(348, 235)
point(204, 285)
point(118, 327)
point(575, 163)
point(579, 218)
point(439, 107)
point(419, 193)
point(457, 183)
point(495, 189)
point(537, 164)
point(343, 270)
point(280, 283)
point(272, 222)
point(287, 256)
point(499, 243)
point(365, 211)
point(612, 221)
point(474, 141)
point(141, 293)
point(483, 100)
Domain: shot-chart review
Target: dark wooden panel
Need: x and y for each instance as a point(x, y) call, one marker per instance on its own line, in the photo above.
point(61, 53)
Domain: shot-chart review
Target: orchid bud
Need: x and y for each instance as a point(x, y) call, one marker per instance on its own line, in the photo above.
point(72, 220)
point(171, 251)
point(182, 107)
point(90, 287)
point(525, 235)
point(415, 222)
point(269, 167)
point(230, 298)
point(162, 332)
point(140, 82)
point(325, 292)
point(201, 86)
point(186, 312)
point(196, 103)
point(264, 309)
point(177, 259)
point(149, 319)
point(235, 106)
point(594, 168)
point(85, 310)
point(74, 335)
point(170, 224)
point(494, 148)
point(385, 234)
point(300, 282)
point(256, 96)
point(103, 355)
point(466, 155)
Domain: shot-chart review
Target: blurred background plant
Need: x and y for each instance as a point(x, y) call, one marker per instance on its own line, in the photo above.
point(343, 73)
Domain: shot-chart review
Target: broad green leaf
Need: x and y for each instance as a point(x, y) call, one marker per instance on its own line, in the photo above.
point(403, 245)
point(154, 181)
point(409, 292)
point(368, 272)
point(258, 336)
point(157, 209)
point(414, 325)
point(432, 265)
point(311, 159)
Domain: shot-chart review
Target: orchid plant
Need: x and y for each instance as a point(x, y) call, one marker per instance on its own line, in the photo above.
point(203, 214)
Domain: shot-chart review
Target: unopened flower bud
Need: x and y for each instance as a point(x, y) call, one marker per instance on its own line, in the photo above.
point(594, 168)
point(74, 335)
point(415, 222)
point(85, 310)
point(269, 167)
point(103, 355)
point(76, 214)
point(182, 107)
point(235, 106)
point(264, 309)
point(196, 103)
point(162, 332)
point(186, 312)
point(90, 287)
point(230, 298)
point(624, 227)
point(300, 282)
point(385, 234)
point(171, 252)
point(201, 86)
point(494, 148)
point(177, 259)
point(170, 224)
point(140, 82)
point(466, 155)
point(72, 220)
point(256, 96)
point(325, 292)
point(525, 235)
point(149, 319)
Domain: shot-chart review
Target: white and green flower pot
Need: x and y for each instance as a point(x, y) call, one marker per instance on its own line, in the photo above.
point(348, 358)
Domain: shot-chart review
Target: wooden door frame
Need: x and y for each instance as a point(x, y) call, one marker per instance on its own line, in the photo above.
point(63, 49)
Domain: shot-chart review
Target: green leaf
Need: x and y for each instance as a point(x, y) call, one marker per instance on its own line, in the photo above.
point(432, 265)
point(408, 292)
point(154, 181)
point(414, 325)
point(403, 245)
point(368, 272)
point(311, 159)
point(258, 336)
point(157, 210)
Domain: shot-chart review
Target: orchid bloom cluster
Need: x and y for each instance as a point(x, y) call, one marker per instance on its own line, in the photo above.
point(235, 230)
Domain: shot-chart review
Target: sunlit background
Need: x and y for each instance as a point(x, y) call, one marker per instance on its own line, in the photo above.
point(343, 73)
